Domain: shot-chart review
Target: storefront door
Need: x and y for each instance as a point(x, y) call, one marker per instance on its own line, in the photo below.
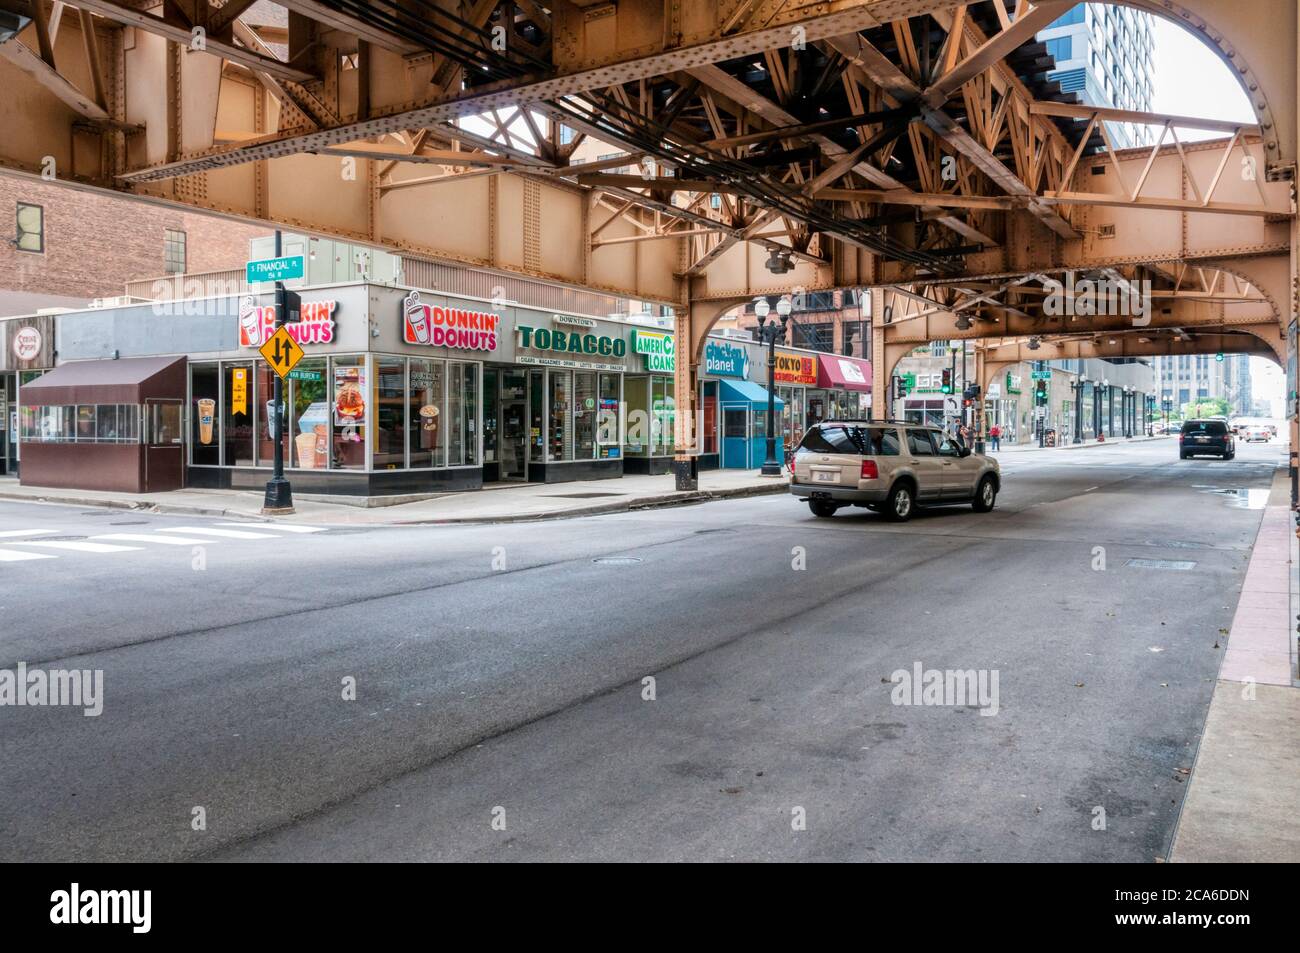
point(735, 437)
point(8, 424)
point(514, 425)
point(164, 459)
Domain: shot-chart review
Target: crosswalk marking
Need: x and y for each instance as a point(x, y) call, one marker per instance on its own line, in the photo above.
point(223, 533)
point(278, 526)
point(10, 533)
point(165, 540)
point(81, 547)
point(13, 556)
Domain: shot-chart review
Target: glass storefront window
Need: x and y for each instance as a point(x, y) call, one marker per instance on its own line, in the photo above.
point(391, 409)
point(664, 416)
point(469, 412)
point(164, 422)
point(426, 424)
point(205, 415)
point(266, 416)
point(309, 420)
point(86, 429)
point(456, 430)
point(608, 438)
point(84, 423)
point(709, 411)
point(349, 412)
point(584, 415)
point(537, 416)
point(636, 398)
point(237, 414)
point(560, 408)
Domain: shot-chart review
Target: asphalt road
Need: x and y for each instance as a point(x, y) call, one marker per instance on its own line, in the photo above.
point(499, 677)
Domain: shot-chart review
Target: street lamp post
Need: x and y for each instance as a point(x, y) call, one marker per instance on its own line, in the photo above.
point(1079, 385)
point(1124, 405)
point(771, 333)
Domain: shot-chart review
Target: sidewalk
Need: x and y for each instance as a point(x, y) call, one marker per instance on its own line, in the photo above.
point(1034, 447)
point(1245, 784)
point(527, 501)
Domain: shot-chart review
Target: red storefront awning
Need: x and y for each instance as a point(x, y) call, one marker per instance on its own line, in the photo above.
point(844, 373)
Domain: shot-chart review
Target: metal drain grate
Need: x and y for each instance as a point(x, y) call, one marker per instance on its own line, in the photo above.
point(1180, 565)
point(616, 560)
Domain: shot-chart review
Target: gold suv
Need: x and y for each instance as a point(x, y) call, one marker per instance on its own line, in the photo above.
point(889, 466)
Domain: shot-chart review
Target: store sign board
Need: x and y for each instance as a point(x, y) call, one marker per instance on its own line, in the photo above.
point(257, 323)
point(571, 342)
point(27, 343)
point(657, 348)
point(726, 360)
point(1013, 383)
point(573, 320)
point(795, 368)
point(459, 328)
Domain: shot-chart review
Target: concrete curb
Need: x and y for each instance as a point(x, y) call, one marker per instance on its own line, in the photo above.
point(617, 506)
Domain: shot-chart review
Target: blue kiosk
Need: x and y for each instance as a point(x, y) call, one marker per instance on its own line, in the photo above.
point(743, 408)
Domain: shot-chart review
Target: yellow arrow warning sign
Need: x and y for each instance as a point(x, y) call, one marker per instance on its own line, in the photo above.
point(281, 352)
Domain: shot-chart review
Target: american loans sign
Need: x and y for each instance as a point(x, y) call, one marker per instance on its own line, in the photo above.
point(459, 328)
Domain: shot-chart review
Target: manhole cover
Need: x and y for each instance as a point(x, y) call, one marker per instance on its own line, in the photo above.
point(580, 496)
point(1176, 564)
point(616, 560)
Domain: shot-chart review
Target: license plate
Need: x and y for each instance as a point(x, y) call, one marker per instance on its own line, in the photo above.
point(826, 476)
point(1202, 439)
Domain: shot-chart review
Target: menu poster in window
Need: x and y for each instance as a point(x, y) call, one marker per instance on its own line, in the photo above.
point(239, 390)
point(349, 396)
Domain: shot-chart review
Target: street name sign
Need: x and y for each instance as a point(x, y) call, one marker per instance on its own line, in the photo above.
point(275, 269)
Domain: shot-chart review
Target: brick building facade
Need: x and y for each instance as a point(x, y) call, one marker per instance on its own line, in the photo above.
point(63, 247)
point(835, 322)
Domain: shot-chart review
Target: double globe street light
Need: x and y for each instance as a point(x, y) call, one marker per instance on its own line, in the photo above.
point(770, 334)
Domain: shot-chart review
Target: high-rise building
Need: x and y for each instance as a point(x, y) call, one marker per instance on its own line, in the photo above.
point(1104, 53)
point(1187, 377)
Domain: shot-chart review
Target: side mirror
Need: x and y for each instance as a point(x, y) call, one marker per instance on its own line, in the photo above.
point(963, 452)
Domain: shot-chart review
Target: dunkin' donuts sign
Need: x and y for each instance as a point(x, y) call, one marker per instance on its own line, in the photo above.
point(257, 324)
point(437, 326)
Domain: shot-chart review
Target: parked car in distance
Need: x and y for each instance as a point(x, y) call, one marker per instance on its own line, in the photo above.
point(890, 467)
point(1205, 437)
point(1255, 433)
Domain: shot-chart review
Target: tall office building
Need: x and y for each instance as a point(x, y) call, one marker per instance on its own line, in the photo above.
point(1186, 377)
point(1104, 53)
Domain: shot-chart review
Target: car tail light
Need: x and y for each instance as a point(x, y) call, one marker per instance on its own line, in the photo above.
point(1180, 438)
point(869, 471)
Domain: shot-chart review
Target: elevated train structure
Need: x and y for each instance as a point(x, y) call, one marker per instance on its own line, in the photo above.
point(758, 147)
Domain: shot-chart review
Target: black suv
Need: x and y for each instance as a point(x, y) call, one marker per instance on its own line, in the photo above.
point(1206, 437)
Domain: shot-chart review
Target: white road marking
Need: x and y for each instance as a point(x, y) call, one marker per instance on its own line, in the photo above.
point(81, 547)
point(280, 526)
point(224, 533)
point(165, 540)
point(1091, 488)
point(10, 533)
point(12, 556)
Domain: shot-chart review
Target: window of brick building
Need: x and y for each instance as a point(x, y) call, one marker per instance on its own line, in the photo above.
point(857, 339)
point(174, 251)
point(815, 337)
point(31, 228)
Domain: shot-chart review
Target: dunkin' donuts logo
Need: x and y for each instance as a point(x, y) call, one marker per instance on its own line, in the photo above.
point(257, 324)
point(437, 326)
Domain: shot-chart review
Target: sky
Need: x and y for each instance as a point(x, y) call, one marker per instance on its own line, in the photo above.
point(1191, 80)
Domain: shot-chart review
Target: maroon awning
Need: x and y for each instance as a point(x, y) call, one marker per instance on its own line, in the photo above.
point(131, 380)
point(844, 373)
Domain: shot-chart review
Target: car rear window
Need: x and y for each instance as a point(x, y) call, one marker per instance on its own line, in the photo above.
point(1212, 428)
point(867, 441)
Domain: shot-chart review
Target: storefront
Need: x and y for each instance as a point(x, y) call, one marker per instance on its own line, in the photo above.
point(725, 361)
point(743, 406)
point(844, 383)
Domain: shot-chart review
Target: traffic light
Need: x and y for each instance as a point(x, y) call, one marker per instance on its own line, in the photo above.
point(972, 392)
point(900, 387)
point(1040, 391)
point(946, 385)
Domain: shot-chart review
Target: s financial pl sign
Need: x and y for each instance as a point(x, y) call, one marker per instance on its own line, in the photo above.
point(657, 348)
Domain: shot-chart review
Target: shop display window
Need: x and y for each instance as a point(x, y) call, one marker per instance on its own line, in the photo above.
point(457, 433)
point(608, 436)
point(266, 416)
point(469, 413)
point(237, 414)
point(663, 416)
point(348, 408)
point(163, 420)
point(81, 423)
point(205, 416)
point(425, 431)
point(636, 398)
point(560, 407)
point(309, 419)
point(709, 414)
point(585, 413)
point(391, 409)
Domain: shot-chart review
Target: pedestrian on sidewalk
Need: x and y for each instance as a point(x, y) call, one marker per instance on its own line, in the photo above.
point(995, 437)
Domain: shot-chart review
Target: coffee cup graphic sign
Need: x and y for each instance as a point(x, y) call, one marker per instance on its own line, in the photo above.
point(417, 319)
point(207, 410)
point(250, 322)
